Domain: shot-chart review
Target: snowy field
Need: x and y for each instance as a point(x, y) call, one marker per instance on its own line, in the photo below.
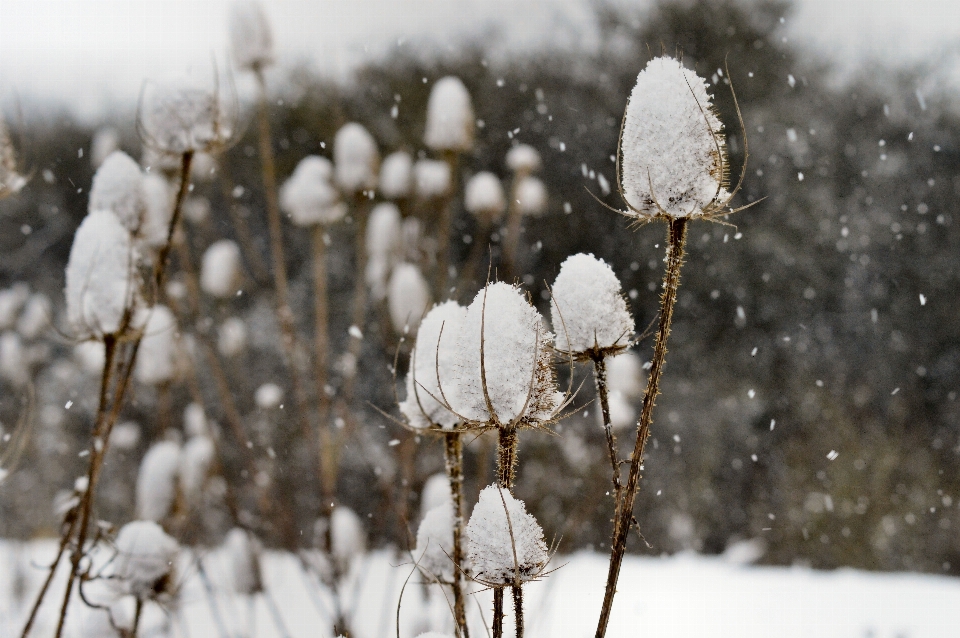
point(683, 595)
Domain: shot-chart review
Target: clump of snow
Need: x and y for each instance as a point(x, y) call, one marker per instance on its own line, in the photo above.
point(396, 175)
point(433, 360)
point(520, 379)
point(220, 269)
point(435, 543)
point(497, 556)
point(145, 560)
point(243, 553)
point(531, 197)
point(523, 159)
point(118, 187)
point(250, 36)
point(14, 363)
point(158, 210)
point(203, 168)
point(347, 538)
point(589, 312)
point(431, 178)
point(356, 158)
point(232, 337)
point(383, 242)
point(268, 396)
point(36, 316)
point(179, 119)
point(435, 492)
point(157, 481)
point(195, 463)
point(450, 122)
point(102, 282)
point(308, 197)
point(157, 356)
point(90, 355)
point(673, 153)
point(484, 197)
point(195, 420)
point(105, 141)
point(408, 297)
point(625, 374)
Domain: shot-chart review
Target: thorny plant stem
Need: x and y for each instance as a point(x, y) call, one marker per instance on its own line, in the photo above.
point(600, 376)
point(136, 618)
point(453, 450)
point(506, 473)
point(676, 238)
point(518, 610)
point(498, 612)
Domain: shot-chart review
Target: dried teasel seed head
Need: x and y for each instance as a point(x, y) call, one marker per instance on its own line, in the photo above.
point(450, 122)
point(502, 553)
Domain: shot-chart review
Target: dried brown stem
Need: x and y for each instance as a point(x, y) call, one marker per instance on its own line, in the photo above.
point(321, 343)
point(518, 609)
point(506, 473)
point(498, 612)
point(600, 376)
point(676, 238)
point(453, 450)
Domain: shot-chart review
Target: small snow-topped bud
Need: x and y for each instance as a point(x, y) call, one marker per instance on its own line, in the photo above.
point(195, 463)
point(435, 492)
point(347, 538)
point(531, 196)
point(356, 158)
point(435, 543)
point(491, 547)
point(158, 210)
point(308, 197)
point(11, 181)
point(118, 188)
point(268, 396)
point(383, 231)
point(102, 282)
point(588, 311)
point(105, 141)
point(408, 297)
point(484, 197)
point(523, 159)
point(232, 338)
point(625, 374)
point(36, 316)
point(243, 556)
point(157, 481)
point(433, 360)
point(450, 121)
point(431, 178)
point(220, 270)
point(396, 175)
point(250, 36)
point(145, 560)
point(673, 151)
point(520, 381)
point(157, 356)
point(176, 120)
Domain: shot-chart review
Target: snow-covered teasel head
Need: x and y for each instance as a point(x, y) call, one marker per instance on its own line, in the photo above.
point(157, 356)
point(308, 197)
point(196, 461)
point(673, 155)
point(383, 231)
point(11, 181)
point(531, 197)
point(432, 365)
point(450, 122)
point(105, 141)
point(435, 544)
point(503, 373)
point(408, 297)
point(102, 283)
point(118, 187)
point(158, 209)
point(243, 556)
point(356, 159)
point(396, 175)
point(220, 270)
point(432, 179)
point(588, 310)
point(505, 544)
point(157, 481)
point(251, 40)
point(174, 120)
point(348, 539)
point(523, 159)
point(484, 197)
point(144, 564)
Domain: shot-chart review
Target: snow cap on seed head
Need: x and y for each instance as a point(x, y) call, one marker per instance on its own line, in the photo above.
point(432, 178)
point(250, 36)
point(434, 357)
point(672, 151)
point(520, 380)
point(523, 159)
point(435, 543)
point(492, 549)
point(308, 197)
point(157, 481)
point(450, 121)
point(174, 120)
point(396, 175)
point(347, 537)
point(158, 208)
point(383, 231)
point(118, 187)
point(531, 196)
point(220, 269)
point(145, 560)
point(408, 297)
point(157, 355)
point(588, 310)
point(356, 158)
point(105, 141)
point(484, 197)
point(243, 551)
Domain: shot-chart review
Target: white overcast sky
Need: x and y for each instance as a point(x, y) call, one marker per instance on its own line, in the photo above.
point(93, 53)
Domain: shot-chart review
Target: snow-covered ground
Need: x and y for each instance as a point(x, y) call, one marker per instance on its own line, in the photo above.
point(684, 595)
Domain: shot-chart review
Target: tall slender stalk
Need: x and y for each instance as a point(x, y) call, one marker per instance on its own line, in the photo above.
point(600, 377)
point(676, 237)
point(506, 473)
point(321, 340)
point(453, 451)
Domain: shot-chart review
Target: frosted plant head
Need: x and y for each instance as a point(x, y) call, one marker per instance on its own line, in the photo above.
point(588, 310)
point(308, 197)
point(435, 544)
point(11, 181)
point(243, 556)
point(220, 270)
point(348, 540)
point(158, 209)
point(396, 175)
point(118, 188)
point(157, 481)
point(435, 492)
point(432, 365)
point(250, 36)
point(531, 196)
point(484, 197)
point(144, 564)
point(408, 297)
point(523, 159)
point(36, 316)
point(196, 461)
point(105, 141)
point(102, 284)
point(503, 374)
point(673, 155)
point(157, 356)
point(505, 544)
point(432, 179)
point(450, 122)
point(356, 159)
point(383, 231)
point(232, 337)
point(174, 120)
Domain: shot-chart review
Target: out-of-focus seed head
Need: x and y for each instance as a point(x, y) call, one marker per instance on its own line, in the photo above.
point(484, 197)
point(396, 175)
point(308, 197)
point(250, 35)
point(118, 187)
point(356, 159)
point(450, 122)
point(523, 159)
point(174, 120)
